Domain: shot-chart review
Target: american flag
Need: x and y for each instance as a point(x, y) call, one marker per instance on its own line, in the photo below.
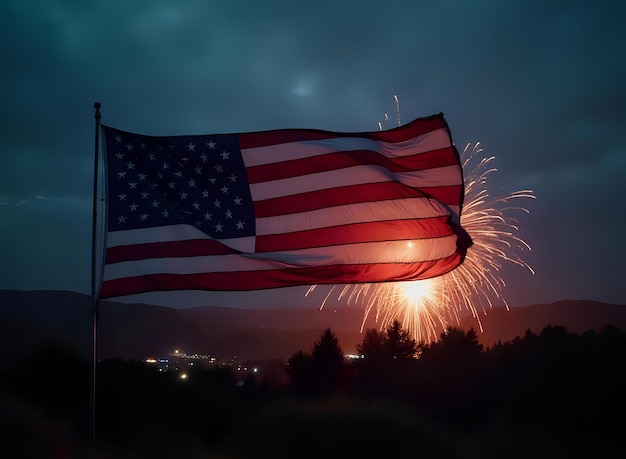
point(281, 208)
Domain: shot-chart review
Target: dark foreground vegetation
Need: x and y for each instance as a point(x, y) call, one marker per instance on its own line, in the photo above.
point(555, 394)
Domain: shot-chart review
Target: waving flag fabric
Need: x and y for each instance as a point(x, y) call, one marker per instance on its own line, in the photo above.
point(281, 208)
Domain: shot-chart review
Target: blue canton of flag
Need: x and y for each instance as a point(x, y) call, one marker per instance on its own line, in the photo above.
point(195, 180)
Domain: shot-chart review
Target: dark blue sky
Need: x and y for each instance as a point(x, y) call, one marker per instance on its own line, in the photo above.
point(539, 84)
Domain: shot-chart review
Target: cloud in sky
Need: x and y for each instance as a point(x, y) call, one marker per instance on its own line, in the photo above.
point(539, 84)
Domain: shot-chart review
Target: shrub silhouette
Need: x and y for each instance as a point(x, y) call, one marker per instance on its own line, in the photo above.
point(454, 346)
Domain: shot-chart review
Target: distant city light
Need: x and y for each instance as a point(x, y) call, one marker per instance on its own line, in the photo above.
point(354, 356)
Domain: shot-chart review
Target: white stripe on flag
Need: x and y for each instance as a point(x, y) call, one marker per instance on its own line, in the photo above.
point(173, 233)
point(357, 175)
point(433, 140)
point(399, 209)
point(364, 253)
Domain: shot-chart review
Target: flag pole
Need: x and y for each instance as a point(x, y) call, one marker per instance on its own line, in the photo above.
point(94, 289)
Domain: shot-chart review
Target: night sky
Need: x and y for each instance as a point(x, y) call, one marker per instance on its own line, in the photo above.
point(539, 84)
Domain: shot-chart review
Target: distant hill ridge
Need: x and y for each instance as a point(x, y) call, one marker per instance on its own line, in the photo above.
point(30, 318)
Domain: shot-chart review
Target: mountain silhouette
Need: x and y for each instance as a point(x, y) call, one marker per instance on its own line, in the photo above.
point(29, 319)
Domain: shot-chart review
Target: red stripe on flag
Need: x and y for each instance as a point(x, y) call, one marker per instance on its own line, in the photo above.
point(330, 197)
point(451, 195)
point(342, 160)
point(259, 280)
point(187, 248)
point(415, 128)
point(427, 228)
point(367, 192)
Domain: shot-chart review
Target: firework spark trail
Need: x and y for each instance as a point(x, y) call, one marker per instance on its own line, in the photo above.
point(477, 281)
point(398, 109)
point(426, 307)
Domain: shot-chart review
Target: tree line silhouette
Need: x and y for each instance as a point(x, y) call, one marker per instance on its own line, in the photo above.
point(554, 391)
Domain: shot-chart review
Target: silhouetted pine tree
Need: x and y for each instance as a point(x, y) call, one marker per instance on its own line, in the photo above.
point(320, 372)
point(398, 342)
point(328, 362)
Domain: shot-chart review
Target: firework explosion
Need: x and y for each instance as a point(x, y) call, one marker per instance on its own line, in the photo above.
point(427, 307)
